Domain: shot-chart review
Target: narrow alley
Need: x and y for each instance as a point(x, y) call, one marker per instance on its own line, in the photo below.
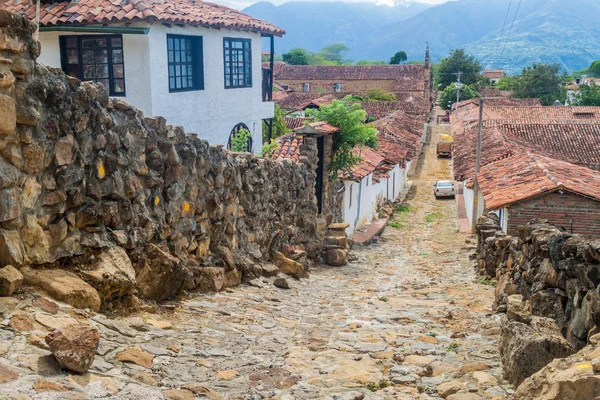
point(406, 319)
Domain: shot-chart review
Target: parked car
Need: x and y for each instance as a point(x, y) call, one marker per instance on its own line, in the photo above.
point(443, 189)
point(444, 149)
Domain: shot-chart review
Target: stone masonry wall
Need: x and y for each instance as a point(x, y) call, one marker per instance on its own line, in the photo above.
point(557, 272)
point(348, 86)
point(80, 172)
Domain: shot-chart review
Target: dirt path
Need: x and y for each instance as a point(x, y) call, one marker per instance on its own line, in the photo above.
point(404, 317)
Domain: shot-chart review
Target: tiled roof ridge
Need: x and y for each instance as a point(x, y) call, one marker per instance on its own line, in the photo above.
point(538, 162)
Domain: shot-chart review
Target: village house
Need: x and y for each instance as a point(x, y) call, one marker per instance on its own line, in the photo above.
point(568, 135)
point(574, 88)
point(325, 79)
point(527, 186)
point(198, 64)
point(494, 75)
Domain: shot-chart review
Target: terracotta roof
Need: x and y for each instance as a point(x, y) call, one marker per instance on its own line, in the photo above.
point(318, 102)
point(494, 93)
point(523, 176)
point(541, 113)
point(295, 100)
point(289, 147)
point(296, 122)
point(177, 12)
point(577, 142)
point(494, 73)
point(493, 147)
point(371, 162)
point(405, 129)
point(407, 77)
point(321, 127)
point(391, 150)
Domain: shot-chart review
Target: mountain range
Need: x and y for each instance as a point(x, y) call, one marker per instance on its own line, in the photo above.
point(549, 31)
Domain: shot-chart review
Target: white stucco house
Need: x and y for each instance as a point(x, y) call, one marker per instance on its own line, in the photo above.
point(197, 64)
point(380, 176)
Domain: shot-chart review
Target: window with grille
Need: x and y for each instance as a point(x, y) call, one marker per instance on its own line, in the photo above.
point(186, 66)
point(97, 58)
point(337, 87)
point(306, 87)
point(237, 55)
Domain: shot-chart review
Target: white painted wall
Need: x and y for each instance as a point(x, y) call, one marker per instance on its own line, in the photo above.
point(212, 112)
point(366, 195)
point(469, 195)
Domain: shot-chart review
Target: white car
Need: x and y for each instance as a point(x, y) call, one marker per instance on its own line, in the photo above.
point(443, 189)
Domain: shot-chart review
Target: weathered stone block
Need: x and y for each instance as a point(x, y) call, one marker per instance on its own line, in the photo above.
point(10, 280)
point(112, 275)
point(8, 114)
point(525, 349)
point(64, 286)
point(160, 276)
point(10, 204)
point(11, 249)
point(64, 150)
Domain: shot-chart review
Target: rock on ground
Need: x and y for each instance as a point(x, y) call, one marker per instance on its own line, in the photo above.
point(10, 280)
point(74, 346)
point(525, 349)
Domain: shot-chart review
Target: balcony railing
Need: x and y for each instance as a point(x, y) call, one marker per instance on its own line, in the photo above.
point(267, 84)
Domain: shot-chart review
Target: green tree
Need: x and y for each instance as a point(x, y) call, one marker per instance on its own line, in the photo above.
point(370, 62)
point(458, 61)
point(335, 53)
point(507, 83)
point(399, 58)
point(448, 96)
point(349, 116)
point(595, 69)
point(543, 81)
point(279, 126)
point(376, 94)
point(589, 95)
point(297, 56)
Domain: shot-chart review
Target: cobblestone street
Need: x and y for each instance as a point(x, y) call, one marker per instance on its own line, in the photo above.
point(406, 319)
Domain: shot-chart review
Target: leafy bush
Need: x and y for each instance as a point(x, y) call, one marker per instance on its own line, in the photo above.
point(240, 141)
point(269, 148)
point(376, 94)
point(349, 116)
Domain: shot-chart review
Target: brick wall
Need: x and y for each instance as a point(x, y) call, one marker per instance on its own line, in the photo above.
point(575, 213)
point(348, 86)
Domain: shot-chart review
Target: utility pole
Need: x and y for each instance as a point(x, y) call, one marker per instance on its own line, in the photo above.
point(458, 92)
point(477, 168)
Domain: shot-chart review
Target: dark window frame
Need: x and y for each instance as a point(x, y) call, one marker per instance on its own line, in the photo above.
point(64, 59)
point(197, 63)
point(247, 73)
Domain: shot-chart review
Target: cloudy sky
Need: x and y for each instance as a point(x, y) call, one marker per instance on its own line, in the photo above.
point(239, 4)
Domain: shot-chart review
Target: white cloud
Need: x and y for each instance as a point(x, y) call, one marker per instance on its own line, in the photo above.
point(240, 4)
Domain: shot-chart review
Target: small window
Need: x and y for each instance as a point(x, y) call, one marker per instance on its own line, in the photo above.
point(337, 87)
point(185, 60)
point(237, 55)
point(96, 58)
point(306, 87)
point(286, 87)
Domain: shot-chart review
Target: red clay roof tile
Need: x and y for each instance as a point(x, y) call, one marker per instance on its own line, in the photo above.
point(526, 175)
point(179, 12)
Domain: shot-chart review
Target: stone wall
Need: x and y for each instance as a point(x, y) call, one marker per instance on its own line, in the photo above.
point(348, 86)
point(80, 172)
point(558, 273)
